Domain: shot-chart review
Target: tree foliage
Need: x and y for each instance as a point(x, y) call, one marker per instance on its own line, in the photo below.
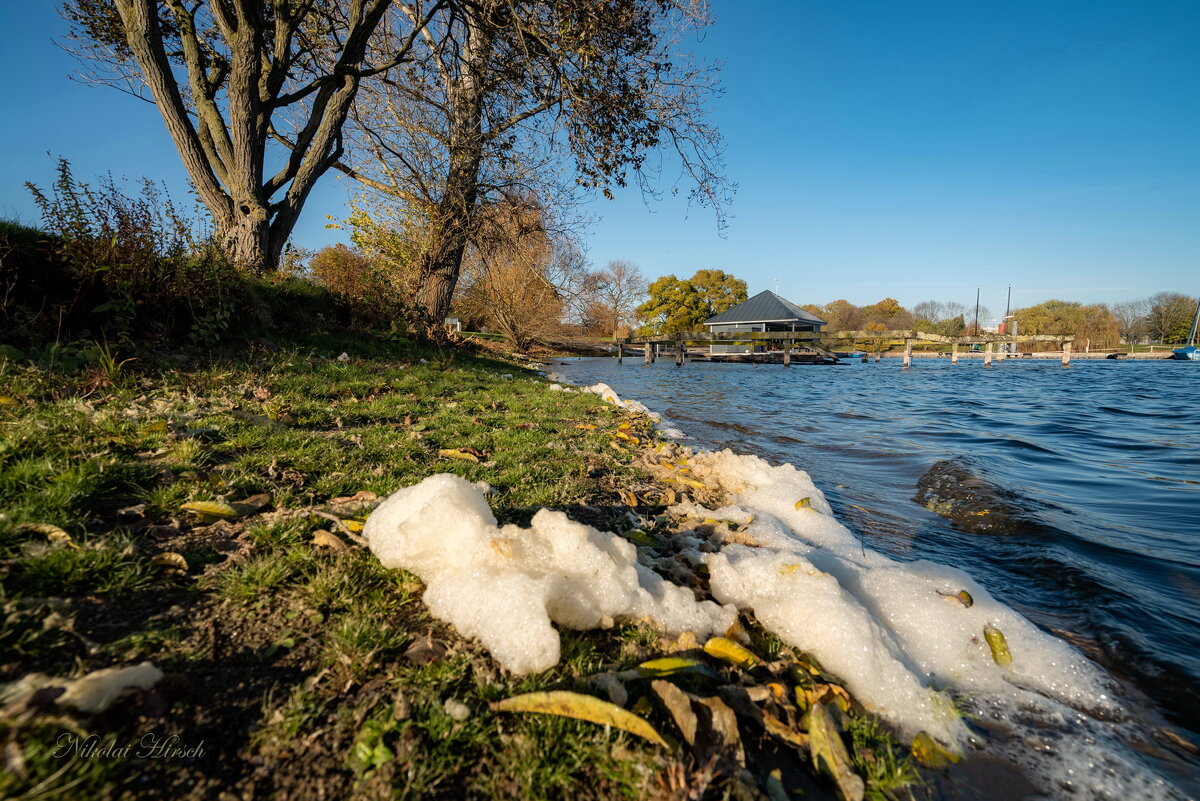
point(1092, 326)
point(518, 274)
point(677, 305)
point(531, 98)
point(1169, 317)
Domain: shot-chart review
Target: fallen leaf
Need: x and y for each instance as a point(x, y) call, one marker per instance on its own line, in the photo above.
point(640, 537)
point(586, 426)
point(458, 453)
point(627, 497)
point(998, 645)
point(361, 495)
point(730, 651)
point(50, 532)
point(671, 666)
point(581, 707)
point(677, 703)
point(829, 753)
point(929, 753)
point(170, 560)
point(211, 511)
point(777, 728)
point(804, 503)
point(962, 596)
point(322, 538)
point(252, 505)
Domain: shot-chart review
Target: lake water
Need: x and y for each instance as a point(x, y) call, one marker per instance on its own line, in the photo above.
point(1104, 458)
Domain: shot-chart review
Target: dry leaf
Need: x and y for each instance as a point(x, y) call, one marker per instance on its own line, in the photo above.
point(211, 511)
point(50, 531)
point(829, 753)
point(581, 707)
point(458, 453)
point(327, 539)
point(171, 561)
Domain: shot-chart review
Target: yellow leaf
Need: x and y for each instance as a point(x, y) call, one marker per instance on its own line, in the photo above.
point(672, 665)
point(962, 596)
point(586, 426)
point(211, 511)
point(789, 569)
point(687, 482)
point(730, 651)
point(778, 728)
point(458, 453)
point(804, 503)
point(639, 537)
point(171, 561)
point(829, 753)
point(50, 531)
point(624, 426)
point(581, 707)
point(930, 754)
point(353, 525)
point(998, 644)
point(327, 539)
point(627, 497)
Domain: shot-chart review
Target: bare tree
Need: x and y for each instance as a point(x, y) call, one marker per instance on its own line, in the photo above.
point(226, 74)
point(1169, 316)
point(620, 287)
point(518, 274)
point(547, 98)
point(1131, 319)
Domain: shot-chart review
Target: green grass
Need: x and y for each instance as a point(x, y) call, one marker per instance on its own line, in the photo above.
point(110, 457)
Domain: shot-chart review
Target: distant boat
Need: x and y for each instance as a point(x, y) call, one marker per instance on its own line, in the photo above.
point(1189, 351)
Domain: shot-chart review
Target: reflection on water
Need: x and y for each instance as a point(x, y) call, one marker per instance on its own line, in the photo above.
point(1105, 457)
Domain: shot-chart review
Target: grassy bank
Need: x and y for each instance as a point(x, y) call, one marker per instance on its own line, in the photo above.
point(295, 666)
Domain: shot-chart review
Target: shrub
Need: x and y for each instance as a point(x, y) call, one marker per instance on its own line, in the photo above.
point(124, 266)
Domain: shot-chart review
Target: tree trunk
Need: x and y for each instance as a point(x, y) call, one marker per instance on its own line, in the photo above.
point(246, 238)
point(456, 212)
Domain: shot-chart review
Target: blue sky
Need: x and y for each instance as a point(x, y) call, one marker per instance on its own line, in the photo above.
point(881, 148)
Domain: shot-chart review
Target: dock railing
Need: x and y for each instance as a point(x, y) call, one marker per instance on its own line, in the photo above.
point(787, 340)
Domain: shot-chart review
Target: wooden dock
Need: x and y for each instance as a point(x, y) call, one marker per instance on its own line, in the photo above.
point(794, 347)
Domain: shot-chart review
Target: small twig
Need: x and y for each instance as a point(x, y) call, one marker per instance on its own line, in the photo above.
point(337, 521)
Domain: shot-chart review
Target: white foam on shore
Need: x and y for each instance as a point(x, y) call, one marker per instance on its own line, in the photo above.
point(608, 395)
point(904, 648)
point(508, 585)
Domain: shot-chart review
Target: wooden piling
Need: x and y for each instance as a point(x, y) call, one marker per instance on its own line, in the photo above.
point(987, 355)
point(1066, 350)
point(620, 352)
point(787, 354)
point(907, 352)
point(646, 356)
point(954, 353)
point(678, 350)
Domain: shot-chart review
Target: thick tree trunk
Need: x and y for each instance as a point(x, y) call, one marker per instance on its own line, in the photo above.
point(246, 239)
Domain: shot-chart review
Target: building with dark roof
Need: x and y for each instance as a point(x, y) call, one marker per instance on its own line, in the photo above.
point(766, 311)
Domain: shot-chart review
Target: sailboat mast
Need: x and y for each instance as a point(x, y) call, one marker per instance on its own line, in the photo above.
point(1191, 340)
